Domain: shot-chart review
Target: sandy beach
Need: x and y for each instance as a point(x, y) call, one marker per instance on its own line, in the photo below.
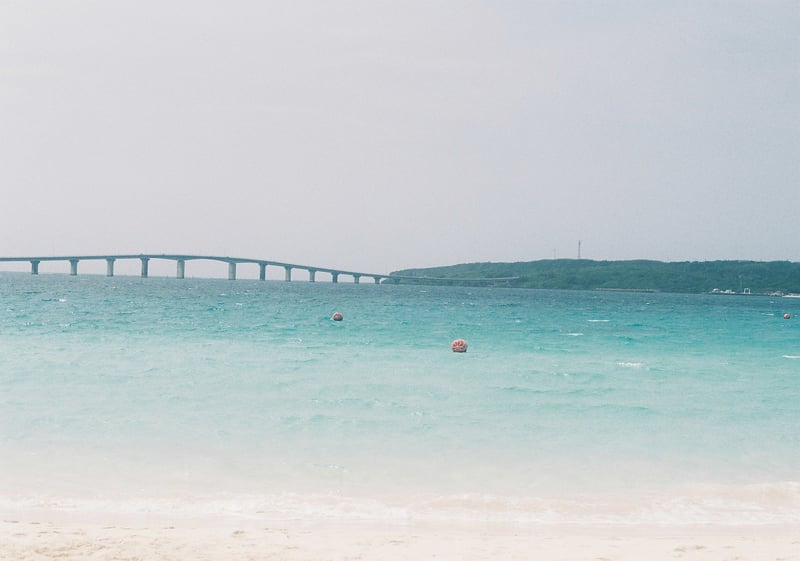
point(34, 540)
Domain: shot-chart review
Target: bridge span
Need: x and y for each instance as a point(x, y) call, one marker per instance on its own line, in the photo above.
point(181, 260)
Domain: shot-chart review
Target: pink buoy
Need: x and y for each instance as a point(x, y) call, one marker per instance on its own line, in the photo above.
point(459, 346)
point(337, 316)
point(787, 316)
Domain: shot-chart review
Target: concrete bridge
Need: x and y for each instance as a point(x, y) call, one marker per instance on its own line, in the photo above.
point(181, 260)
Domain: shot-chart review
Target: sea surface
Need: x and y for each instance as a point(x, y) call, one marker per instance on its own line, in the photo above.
point(243, 398)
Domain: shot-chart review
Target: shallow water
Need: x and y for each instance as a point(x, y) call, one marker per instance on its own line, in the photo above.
point(243, 396)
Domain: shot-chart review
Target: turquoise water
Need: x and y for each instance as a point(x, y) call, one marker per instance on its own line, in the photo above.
point(244, 397)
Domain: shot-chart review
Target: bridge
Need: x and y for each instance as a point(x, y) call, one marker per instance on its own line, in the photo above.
point(181, 260)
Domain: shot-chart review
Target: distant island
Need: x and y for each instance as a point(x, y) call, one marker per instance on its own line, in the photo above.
point(775, 278)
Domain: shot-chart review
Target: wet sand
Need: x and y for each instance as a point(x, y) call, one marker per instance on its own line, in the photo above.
point(28, 539)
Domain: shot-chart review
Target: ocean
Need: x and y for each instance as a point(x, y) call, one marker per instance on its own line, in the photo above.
point(205, 397)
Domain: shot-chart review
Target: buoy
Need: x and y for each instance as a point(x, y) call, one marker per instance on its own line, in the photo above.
point(787, 316)
point(337, 316)
point(459, 346)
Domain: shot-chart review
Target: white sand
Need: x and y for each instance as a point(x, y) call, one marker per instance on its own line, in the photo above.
point(30, 539)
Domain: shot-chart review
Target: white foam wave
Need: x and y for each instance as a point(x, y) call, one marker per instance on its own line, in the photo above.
point(775, 503)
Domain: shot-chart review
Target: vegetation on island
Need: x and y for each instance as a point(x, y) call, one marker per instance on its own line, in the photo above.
point(741, 277)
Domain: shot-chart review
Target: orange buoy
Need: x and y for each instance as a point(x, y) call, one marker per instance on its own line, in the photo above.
point(337, 316)
point(459, 346)
point(787, 316)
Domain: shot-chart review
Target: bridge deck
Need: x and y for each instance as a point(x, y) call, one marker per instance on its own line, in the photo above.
point(232, 262)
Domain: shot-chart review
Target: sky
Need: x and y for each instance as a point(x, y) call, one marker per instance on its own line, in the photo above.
point(376, 136)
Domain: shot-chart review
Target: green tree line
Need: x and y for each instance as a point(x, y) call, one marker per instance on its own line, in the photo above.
point(758, 277)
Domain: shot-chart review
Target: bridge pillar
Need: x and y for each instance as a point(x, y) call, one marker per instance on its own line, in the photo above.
point(377, 280)
point(110, 266)
point(262, 271)
point(181, 268)
point(34, 267)
point(145, 261)
point(312, 273)
point(231, 271)
point(288, 273)
point(73, 267)
point(356, 279)
point(334, 277)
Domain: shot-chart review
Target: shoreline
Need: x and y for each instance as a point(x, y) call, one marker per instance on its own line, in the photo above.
point(237, 529)
point(28, 539)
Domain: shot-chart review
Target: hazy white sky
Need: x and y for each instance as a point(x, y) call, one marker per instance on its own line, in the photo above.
point(375, 135)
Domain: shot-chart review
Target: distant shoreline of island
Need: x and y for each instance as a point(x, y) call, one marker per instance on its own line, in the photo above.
point(766, 278)
point(744, 278)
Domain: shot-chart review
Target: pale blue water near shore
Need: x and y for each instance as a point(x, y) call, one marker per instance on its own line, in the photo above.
point(243, 397)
